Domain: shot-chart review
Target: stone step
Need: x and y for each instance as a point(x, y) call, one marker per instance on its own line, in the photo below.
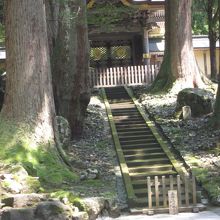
point(134, 151)
point(141, 141)
point(147, 162)
point(139, 179)
point(134, 157)
point(150, 168)
point(140, 131)
point(139, 146)
point(135, 137)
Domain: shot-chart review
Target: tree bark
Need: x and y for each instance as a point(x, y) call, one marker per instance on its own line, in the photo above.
point(179, 65)
point(52, 13)
point(212, 36)
point(217, 108)
point(71, 65)
point(29, 96)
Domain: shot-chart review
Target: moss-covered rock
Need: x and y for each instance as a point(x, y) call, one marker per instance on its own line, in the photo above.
point(53, 210)
point(70, 198)
point(37, 163)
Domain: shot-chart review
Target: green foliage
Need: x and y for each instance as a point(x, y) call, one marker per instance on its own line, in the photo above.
point(205, 16)
point(199, 23)
point(41, 161)
point(199, 19)
point(210, 183)
point(2, 33)
point(107, 15)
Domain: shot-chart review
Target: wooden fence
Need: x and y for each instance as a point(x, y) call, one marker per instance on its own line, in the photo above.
point(158, 190)
point(117, 76)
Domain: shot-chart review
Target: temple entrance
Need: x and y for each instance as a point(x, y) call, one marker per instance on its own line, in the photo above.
point(111, 53)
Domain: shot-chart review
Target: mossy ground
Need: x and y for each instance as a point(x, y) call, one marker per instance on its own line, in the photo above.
point(41, 160)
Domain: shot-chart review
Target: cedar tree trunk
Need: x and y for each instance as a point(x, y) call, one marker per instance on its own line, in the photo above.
point(52, 13)
point(217, 108)
point(179, 65)
point(28, 97)
point(213, 18)
point(71, 65)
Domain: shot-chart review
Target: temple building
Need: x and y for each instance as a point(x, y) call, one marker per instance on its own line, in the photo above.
point(131, 32)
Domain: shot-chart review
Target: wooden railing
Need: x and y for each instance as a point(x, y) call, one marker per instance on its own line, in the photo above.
point(117, 76)
point(172, 193)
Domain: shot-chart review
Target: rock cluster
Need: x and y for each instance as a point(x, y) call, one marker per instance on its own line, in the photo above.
point(40, 207)
point(32, 207)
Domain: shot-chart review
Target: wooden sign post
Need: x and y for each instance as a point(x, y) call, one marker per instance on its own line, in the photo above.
point(173, 202)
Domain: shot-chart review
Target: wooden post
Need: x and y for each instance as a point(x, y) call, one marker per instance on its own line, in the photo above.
point(122, 75)
point(125, 75)
point(139, 74)
point(135, 74)
point(111, 77)
point(146, 74)
point(115, 76)
point(179, 191)
point(153, 72)
point(142, 74)
point(156, 182)
point(171, 182)
point(118, 76)
point(149, 193)
point(107, 74)
point(164, 192)
point(100, 76)
point(187, 190)
point(104, 77)
point(194, 190)
point(132, 75)
point(129, 75)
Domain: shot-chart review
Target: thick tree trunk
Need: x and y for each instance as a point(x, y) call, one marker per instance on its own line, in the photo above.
point(29, 96)
point(52, 13)
point(179, 64)
point(71, 65)
point(212, 49)
point(212, 38)
point(217, 108)
point(26, 120)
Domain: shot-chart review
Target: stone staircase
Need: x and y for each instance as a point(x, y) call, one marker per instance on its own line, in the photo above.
point(142, 154)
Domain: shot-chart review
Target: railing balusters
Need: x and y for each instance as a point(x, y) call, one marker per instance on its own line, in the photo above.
point(130, 75)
